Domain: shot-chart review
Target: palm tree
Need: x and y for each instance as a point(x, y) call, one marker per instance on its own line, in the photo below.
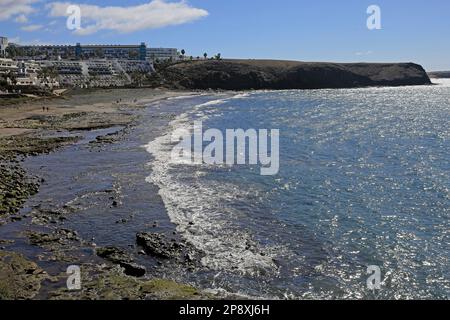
point(137, 78)
point(205, 55)
point(98, 53)
point(133, 54)
point(183, 52)
point(11, 51)
point(12, 78)
point(47, 74)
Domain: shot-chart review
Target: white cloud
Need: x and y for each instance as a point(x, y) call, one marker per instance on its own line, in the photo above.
point(12, 8)
point(31, 27)
point(21, 19)
point(366, 53)
point(14, 40)
point(152, 15)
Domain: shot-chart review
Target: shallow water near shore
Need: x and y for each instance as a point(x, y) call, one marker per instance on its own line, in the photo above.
point(364, 180)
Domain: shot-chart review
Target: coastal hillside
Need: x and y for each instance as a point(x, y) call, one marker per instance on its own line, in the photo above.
point(274, 74)
point(439, 74)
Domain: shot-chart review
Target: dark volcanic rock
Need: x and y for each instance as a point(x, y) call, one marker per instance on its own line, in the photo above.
point(15, 187)
point(114, 254)
point(271, 74)
point(157, 245)
point(20, 278)
point(120, 257)
point(169, 248)
point(133, 269)
point(59, 236)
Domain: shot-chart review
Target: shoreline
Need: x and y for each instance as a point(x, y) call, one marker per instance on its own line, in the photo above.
point(111, 270)
point(111, 273)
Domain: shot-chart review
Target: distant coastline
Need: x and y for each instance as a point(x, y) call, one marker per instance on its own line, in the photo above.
point(439, 74)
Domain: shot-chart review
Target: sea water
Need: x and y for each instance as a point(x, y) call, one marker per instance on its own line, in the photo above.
point(364, 180)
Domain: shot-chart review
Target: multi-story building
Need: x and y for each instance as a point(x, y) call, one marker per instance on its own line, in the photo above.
point(28, 75)
point(162, 54)
point(3, 46)
point(28, 68)
point(97, 72)
point(126, 52)
point(8, 65)
point(94, 52)
point(46, 51)
point(79, 51)
point(63, 67)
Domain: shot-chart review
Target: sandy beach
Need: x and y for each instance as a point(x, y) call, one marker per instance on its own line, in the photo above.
point(13, 118)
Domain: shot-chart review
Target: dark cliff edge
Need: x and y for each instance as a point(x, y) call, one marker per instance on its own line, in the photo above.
point(273, 74)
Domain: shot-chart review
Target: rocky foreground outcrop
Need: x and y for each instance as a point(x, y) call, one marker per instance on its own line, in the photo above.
point(272, 74)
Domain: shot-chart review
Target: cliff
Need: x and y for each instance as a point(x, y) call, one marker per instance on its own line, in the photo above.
point(273, 74)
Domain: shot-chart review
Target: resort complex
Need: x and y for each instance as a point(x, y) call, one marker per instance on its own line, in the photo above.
point(94, 65)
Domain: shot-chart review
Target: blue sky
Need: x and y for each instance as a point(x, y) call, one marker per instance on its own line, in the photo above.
point(315, 30)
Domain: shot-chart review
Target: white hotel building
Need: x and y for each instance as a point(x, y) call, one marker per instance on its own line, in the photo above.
point(3, 46)
point(154, 54)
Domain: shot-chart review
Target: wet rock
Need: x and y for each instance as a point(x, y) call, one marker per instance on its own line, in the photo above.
point(19, 277)
point(15, 187)
point(167, 289)
point(67, 234)
point(162, 247)
point(29, 145)
point(43, 216)
point(109, 283)
point(157, 245)
point(133, 269)
point(59, 236)
point(114, 254)
point(42, 239)
point(6, 241)
point(122, 258)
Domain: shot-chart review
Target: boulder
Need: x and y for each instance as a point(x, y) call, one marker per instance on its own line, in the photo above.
point(122, 258)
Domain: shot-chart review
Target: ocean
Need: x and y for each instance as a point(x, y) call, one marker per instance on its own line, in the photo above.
point(364, 180)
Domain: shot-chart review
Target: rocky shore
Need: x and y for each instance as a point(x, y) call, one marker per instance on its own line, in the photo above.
point(107, 272)
point(31, 260)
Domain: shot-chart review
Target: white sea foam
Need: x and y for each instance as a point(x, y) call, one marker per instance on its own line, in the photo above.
point(199, 208)
point(187, 96)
